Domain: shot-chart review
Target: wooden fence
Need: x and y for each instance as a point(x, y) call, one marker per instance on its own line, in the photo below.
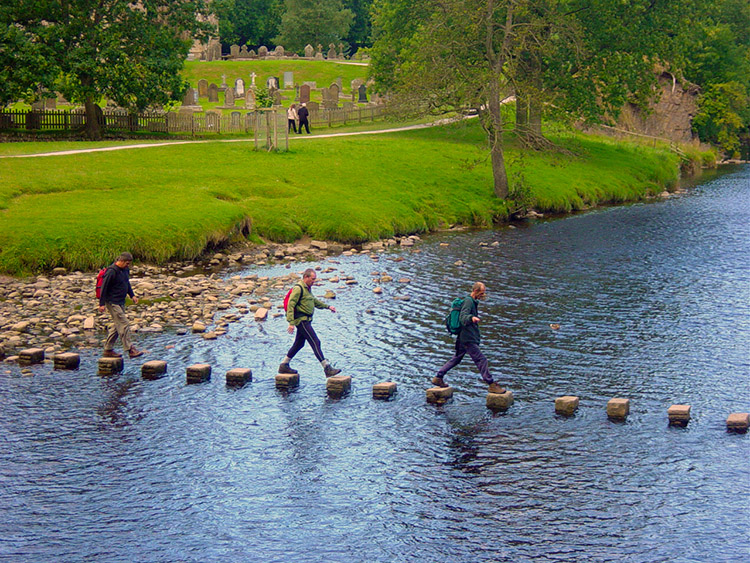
point(238, 122)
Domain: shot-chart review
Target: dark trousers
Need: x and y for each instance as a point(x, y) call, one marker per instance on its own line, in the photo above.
point(306, 333)
point(305, 123)
point(476, 355)
point(292, 125)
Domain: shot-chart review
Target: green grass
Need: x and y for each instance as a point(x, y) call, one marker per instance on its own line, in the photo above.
point(171, 202)
point(322, 72)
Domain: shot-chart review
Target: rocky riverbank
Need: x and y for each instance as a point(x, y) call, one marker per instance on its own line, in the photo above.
point(59, 312)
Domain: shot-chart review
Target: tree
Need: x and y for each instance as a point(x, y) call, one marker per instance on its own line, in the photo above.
point(314, 22)
point(248, 22)
point(583, 58)
point(359, 33)
point(129, 52)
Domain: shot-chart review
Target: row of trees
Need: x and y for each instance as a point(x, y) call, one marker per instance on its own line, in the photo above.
point(575, 59)
point(293, 23)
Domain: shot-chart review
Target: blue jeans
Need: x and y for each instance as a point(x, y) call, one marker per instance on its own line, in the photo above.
point(476, 354)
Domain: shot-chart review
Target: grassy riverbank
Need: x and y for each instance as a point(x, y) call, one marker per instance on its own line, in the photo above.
point(171, 202)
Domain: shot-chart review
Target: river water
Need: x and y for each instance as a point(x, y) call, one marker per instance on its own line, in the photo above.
point(653, 303)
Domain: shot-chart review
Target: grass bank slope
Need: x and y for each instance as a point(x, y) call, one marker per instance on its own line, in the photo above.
point(172, 202)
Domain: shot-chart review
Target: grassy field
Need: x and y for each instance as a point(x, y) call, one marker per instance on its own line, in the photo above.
point(170, 202)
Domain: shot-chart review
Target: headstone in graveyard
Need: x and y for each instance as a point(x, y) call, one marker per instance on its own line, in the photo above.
point(362, 92)
point(234, 51)
point(288, 79)
point(263, 52)
point(304, 93)
point(213, 93)
point(309, 51)
point(202, 88)
point(239, 88)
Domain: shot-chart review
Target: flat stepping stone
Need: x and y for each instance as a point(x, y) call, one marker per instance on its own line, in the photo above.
point(31, 356)
point(153, 369)
point(338, 385)
point(238, 377)
point(738, 422)
point(287, 380)
point(618, 409)
point(110, 366)
point(384, 391)
point(679, 415)
point(566, 405)
point(66, 360)
point(439, 395)
point(500, 401)
point(198, 373)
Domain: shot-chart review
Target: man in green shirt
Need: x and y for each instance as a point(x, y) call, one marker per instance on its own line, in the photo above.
point(299, 314)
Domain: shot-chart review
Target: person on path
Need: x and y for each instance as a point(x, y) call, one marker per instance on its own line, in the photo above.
point(468, 341)
point(291, 115)
point(115, 288)
point(299, 314)
point(302, 113)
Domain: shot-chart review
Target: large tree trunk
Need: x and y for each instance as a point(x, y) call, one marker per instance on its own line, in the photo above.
point(94, 118)
point(535, 118)
point(522, 114)
point(495, 133)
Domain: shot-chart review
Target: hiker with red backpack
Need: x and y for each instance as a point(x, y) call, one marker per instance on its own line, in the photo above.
point(113, 286)
point(466, 326)
point(300, 305)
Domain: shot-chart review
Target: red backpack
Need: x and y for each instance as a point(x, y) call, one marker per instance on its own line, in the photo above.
point(100, 281)
point(286, 298)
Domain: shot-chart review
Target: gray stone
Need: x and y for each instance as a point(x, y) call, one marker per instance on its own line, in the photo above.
point(239, 376)
point(213, 93)
point(202, 88)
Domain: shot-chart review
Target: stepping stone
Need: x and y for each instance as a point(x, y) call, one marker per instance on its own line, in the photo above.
point(338, 385)
point(153, 369)
point(237, 377)
point(618, 409)
point(110, 366)
point(287, 380)
point(679, 415)
point(566, 405)
point(439, 395)
point(738, 422)
point(67, 360)
point(198, 373)
point(31, 356)
point(500, 401)
point(384, 391)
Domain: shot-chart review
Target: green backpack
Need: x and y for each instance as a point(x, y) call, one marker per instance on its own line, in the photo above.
point(452, 322)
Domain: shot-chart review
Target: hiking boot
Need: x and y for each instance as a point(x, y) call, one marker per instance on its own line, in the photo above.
point(437, 381)
point(135, 352)
point(111, 354)
point(285, 368)
point(495, 388)
point(330, 371)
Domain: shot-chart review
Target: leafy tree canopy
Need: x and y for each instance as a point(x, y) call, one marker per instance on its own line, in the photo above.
point(248, 22)
point(313, 21)
point(129, 52)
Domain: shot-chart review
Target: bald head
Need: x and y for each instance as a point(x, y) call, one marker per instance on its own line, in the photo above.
point(478, 290)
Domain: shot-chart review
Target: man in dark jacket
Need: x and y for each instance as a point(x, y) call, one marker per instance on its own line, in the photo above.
point(299, 313)
point(468, 341)
point(115, 288)
point(302, 114)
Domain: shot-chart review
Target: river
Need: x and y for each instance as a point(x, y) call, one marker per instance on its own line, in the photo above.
point(653, 303)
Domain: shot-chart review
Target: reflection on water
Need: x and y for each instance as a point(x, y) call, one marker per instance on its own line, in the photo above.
point(652, 302)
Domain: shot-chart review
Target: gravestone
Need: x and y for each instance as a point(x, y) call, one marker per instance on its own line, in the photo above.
point(288, 79)
point(304, 93)
point(313, 107)
point(354, 84)
point(213, 119)
point(348, 105)
point(319, 52)
point(235, 120)
point(263, 52)
point(234, 51)
point(252, 54)
point(362, 92)
point(278, 51)
point(332, 53)
point(239, 88)
point(229, 98)
point(333, 91)
point(202, 88)
point(277, 97)
point(223, 83)
point(272, 83)
point(190, 99)
point(217, 51)
point(50, 103)
point(250, 99)
point(213, 93)
point(243, 52)
point(341, 51)
point(252, 80)
point(309, 51)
